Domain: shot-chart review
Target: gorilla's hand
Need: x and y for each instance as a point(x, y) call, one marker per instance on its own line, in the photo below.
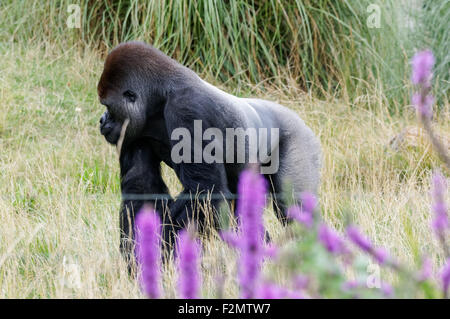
point(110, 128)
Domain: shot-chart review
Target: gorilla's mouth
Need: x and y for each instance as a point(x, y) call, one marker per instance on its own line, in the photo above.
point(112, 138)
point(110, 128)
point(105, 130)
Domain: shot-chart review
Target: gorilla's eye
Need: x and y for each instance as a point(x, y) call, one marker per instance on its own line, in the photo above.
point(130, 95)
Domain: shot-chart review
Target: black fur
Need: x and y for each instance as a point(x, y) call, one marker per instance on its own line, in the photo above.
point(140, 174)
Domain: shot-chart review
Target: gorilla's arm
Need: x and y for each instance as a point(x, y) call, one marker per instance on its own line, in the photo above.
point(141, 183)
point(199, 180)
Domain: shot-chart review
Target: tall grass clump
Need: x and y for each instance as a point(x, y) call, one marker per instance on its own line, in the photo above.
point(432, 31)
point(327, 47)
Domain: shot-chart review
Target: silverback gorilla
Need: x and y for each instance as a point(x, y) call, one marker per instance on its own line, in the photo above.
point(156, 96)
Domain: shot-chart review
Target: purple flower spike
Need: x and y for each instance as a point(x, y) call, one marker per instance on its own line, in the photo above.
point(148, 231)
point(440, 221)
point(188, 266)
point(230, 238)
point(350, 285)
point(269, 291)
point(423, 103)
point(270, 251)
point(387, 289)
point(422, 63)
point(330, 240)
point(303, 217)
point(306, 219)
point(439, 224)
point(252, 190)
point(358, 239)
point(426, 270)
point(301, 282)
point(380, 255)
point(305, 214)
point(309, 202)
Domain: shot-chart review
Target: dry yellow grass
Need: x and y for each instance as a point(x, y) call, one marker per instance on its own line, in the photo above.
point(60, 193)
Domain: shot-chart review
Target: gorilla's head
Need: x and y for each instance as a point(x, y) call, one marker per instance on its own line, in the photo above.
point(134, 84)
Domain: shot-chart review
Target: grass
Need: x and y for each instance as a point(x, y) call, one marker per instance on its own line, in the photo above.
point(59, 179)
point(323, 46)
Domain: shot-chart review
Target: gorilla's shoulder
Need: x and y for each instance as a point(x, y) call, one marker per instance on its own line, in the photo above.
point(133, 45)
point(193, 94)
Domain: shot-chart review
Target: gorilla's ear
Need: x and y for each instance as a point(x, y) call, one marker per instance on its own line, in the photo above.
point(130, 95)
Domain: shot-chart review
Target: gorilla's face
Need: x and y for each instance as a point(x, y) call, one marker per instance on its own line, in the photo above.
point(110, 128)
point(122, 102)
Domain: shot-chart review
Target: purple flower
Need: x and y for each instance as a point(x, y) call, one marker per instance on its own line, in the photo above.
point(440, 221)
point(230, 238)
point(422, 63)
point(303, 217)
point(148, 231)
point(271, 291)
point(380, 255)
point(330, 240)
point(350, 285)
point(252, 190)
point(270, 250)
point(446, 278)
point(426, 270)
point(188, 250)
point(305, 214)
point(387, 289)
point(309, 202)
point(301, 282)
point(358, 239)
point(423, 103)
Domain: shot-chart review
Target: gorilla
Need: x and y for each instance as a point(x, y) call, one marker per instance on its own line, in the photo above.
point(160, 100)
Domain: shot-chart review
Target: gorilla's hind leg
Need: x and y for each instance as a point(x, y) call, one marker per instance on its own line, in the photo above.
point(292, 178)
point(278, 201)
